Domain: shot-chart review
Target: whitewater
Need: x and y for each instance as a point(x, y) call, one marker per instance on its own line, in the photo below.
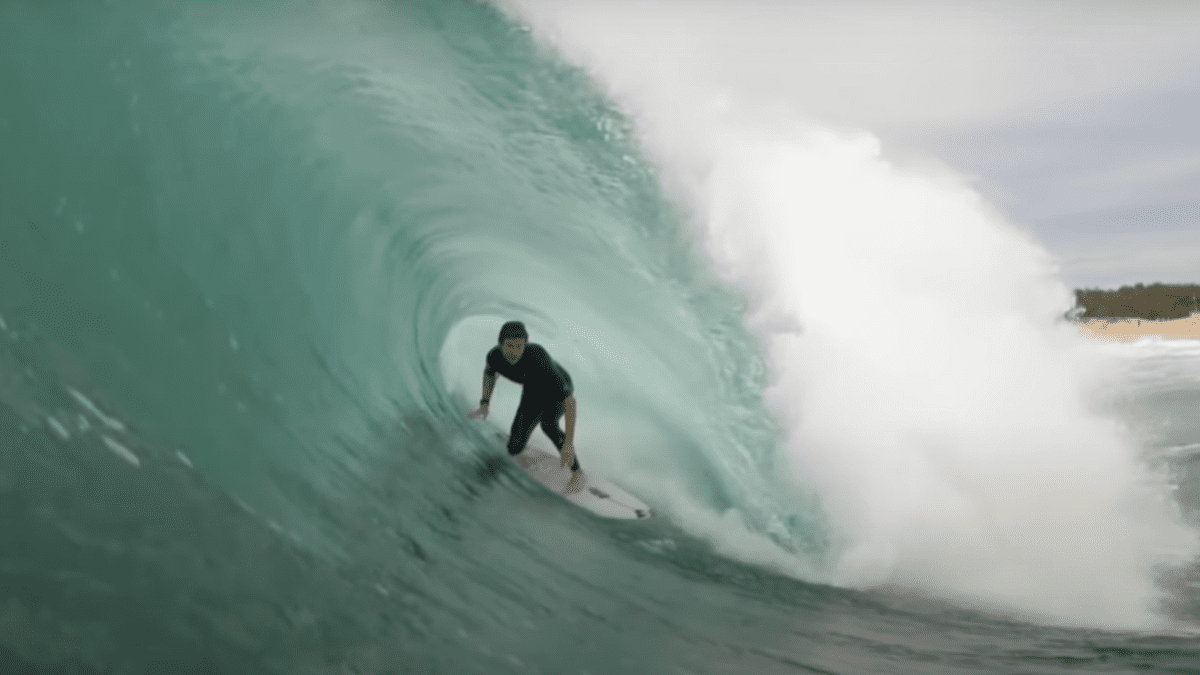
point(253, 256)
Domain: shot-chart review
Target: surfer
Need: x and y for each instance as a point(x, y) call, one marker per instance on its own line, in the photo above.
point(546, 395)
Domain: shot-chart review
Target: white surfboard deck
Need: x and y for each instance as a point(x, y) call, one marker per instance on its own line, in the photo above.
point(598, 495)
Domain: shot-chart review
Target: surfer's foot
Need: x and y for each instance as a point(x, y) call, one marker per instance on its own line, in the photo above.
point(573, 485)
point(525, 462)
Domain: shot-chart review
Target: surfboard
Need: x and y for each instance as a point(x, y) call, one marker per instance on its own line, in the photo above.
point(596, 494)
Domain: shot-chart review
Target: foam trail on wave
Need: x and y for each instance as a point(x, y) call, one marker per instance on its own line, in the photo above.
point(926, 386)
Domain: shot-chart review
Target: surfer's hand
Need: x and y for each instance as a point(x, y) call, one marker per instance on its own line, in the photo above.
point(478, 414)
point(567, 454)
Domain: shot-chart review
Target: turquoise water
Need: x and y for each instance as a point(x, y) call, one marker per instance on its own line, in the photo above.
point(251, 257)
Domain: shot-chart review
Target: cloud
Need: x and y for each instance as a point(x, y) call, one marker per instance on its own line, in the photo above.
point(1142, 174)
point(1109, 261)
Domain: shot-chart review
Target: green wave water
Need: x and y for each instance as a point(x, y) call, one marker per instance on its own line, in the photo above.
point(251, 256)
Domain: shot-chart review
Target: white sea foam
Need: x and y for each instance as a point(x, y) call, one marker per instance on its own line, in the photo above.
point(58, 428)
point(120, 450)
point(927, 388)
point(110, 422)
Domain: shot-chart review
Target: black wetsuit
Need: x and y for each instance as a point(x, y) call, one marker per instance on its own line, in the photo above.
point(543, 396)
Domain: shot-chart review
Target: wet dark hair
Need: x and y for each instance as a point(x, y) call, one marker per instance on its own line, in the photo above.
point(512, 329)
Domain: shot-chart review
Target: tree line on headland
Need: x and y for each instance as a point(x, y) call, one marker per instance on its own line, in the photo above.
point(1156, 301)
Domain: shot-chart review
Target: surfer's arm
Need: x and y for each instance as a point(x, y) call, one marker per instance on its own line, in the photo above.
point(489, 383)
point(569, 410)
point(568, 448)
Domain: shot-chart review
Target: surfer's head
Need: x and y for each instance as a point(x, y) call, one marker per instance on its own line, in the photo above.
point(512, 340)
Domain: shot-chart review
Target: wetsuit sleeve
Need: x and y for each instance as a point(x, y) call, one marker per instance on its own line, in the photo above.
point(556, 378)
point(543, 377)
point(565, 386)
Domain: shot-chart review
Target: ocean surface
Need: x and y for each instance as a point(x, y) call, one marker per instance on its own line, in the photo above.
point(252, 256)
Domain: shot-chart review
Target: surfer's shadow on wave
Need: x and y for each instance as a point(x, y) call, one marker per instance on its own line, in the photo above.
point(490, 469)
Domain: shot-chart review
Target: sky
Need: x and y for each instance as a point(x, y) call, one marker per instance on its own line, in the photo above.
point(1077, 120)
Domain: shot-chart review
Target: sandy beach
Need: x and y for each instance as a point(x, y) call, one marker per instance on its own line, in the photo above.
point(1128, 330)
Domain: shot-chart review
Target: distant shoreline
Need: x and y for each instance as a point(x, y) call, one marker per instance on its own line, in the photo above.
point(1130, 329)
point(1154, 302)
point(1170, 311)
